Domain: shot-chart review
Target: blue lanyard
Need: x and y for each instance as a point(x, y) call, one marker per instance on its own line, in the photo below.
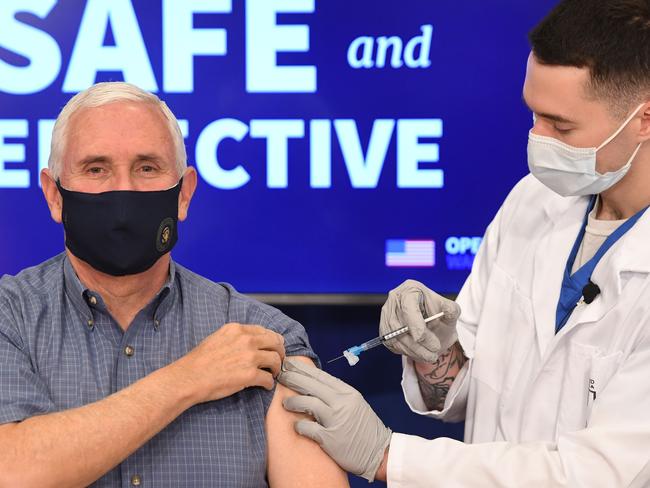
point(572, 285)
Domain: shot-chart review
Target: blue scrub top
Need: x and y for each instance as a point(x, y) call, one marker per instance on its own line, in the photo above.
point(574, 284)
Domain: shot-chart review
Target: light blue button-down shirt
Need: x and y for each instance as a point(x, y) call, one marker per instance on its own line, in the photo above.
point(61, 349)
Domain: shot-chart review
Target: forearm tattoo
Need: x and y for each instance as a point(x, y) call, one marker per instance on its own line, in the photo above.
point(435, 384)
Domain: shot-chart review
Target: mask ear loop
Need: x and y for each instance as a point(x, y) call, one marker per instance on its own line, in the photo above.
point(634, 154)
point(620, 129)
point(610, 139)
point(179, 184)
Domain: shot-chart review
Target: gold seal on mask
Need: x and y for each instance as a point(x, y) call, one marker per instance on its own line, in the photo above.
point(164, 235)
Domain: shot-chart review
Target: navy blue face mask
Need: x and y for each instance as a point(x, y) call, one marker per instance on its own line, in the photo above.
point(120, 232)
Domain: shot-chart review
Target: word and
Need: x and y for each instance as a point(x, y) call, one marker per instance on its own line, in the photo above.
point(368, 52)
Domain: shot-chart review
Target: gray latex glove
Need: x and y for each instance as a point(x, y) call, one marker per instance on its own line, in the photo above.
point(346, 427)
point(408, 305)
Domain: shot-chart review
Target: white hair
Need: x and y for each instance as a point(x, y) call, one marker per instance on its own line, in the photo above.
point(103, 94)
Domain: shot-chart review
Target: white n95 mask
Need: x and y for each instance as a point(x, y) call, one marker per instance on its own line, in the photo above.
point(571, 171)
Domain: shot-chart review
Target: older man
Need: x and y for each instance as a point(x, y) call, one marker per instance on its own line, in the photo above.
point(118, 366)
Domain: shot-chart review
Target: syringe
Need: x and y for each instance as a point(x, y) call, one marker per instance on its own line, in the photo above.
point(352, 354)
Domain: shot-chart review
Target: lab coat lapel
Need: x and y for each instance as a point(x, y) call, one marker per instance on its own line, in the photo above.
point(632, 255)
point(566, 216)
point(635, 252)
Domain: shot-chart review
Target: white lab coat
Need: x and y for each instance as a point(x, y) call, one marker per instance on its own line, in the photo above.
point(527, 394)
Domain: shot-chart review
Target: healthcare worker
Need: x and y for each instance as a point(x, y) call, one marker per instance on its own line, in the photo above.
point(549, 361)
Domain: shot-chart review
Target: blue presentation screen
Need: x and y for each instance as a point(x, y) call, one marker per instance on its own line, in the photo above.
point(341, 146)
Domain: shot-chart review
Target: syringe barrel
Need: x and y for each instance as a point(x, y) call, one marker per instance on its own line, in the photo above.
point(395, 333)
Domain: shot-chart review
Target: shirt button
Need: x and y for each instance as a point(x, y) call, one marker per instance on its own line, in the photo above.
point(157, 322)
point(92, 300)
point(129, 351)
point(136, 480)
point(90, 323)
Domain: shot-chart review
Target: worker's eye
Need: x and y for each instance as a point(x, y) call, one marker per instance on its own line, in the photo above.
point(147, 168)
point(95, 170)
point(562, 130)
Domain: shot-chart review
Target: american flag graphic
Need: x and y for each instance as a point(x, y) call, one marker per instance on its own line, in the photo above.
point(403, 253)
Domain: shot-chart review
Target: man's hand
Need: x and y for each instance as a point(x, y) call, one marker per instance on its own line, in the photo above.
point(229, 360)
point(408, 305)
point(346, 427)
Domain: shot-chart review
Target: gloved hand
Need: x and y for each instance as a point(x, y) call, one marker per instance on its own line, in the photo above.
point(408, 305)
point(346, 427)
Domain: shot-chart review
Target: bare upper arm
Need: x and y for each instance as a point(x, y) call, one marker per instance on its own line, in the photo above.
point(5, 447)
point(293, 460)
point(6, 429)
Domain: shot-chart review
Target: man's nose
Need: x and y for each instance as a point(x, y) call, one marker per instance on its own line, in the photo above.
point(539, 128)
point(123, 180)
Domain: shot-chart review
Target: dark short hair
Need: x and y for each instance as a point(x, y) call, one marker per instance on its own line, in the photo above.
point(610, 37)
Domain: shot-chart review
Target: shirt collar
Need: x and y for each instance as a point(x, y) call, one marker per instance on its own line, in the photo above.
point(165, 297)
point(85, 299)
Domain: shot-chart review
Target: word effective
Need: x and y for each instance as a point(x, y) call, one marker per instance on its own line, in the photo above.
point(412, 145)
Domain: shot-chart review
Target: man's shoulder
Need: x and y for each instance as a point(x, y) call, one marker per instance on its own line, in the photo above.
point(530, 203)
point(211, 299)
point(239, 307)
point(531, 192)
point(34, 281)
point(22, 297)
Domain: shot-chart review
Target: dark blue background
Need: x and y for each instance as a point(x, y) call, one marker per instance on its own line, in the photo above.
point(303, 240)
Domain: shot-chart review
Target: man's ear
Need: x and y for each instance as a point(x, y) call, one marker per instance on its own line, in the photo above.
point(52, 195)
point(187, 191)
point(644, 134)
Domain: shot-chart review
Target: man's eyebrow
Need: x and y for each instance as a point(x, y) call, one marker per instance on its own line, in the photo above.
point(93, 158)
point(148, 157)
point(553, 117)
point(97, 158)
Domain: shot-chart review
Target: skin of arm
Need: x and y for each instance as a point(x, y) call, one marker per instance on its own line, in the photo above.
point(293, 460)
point(436, 379)
point(76, 447)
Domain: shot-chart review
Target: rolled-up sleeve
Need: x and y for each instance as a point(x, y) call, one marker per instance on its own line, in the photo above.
point(455, 402)
point(470, 299)
point(296, 342)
